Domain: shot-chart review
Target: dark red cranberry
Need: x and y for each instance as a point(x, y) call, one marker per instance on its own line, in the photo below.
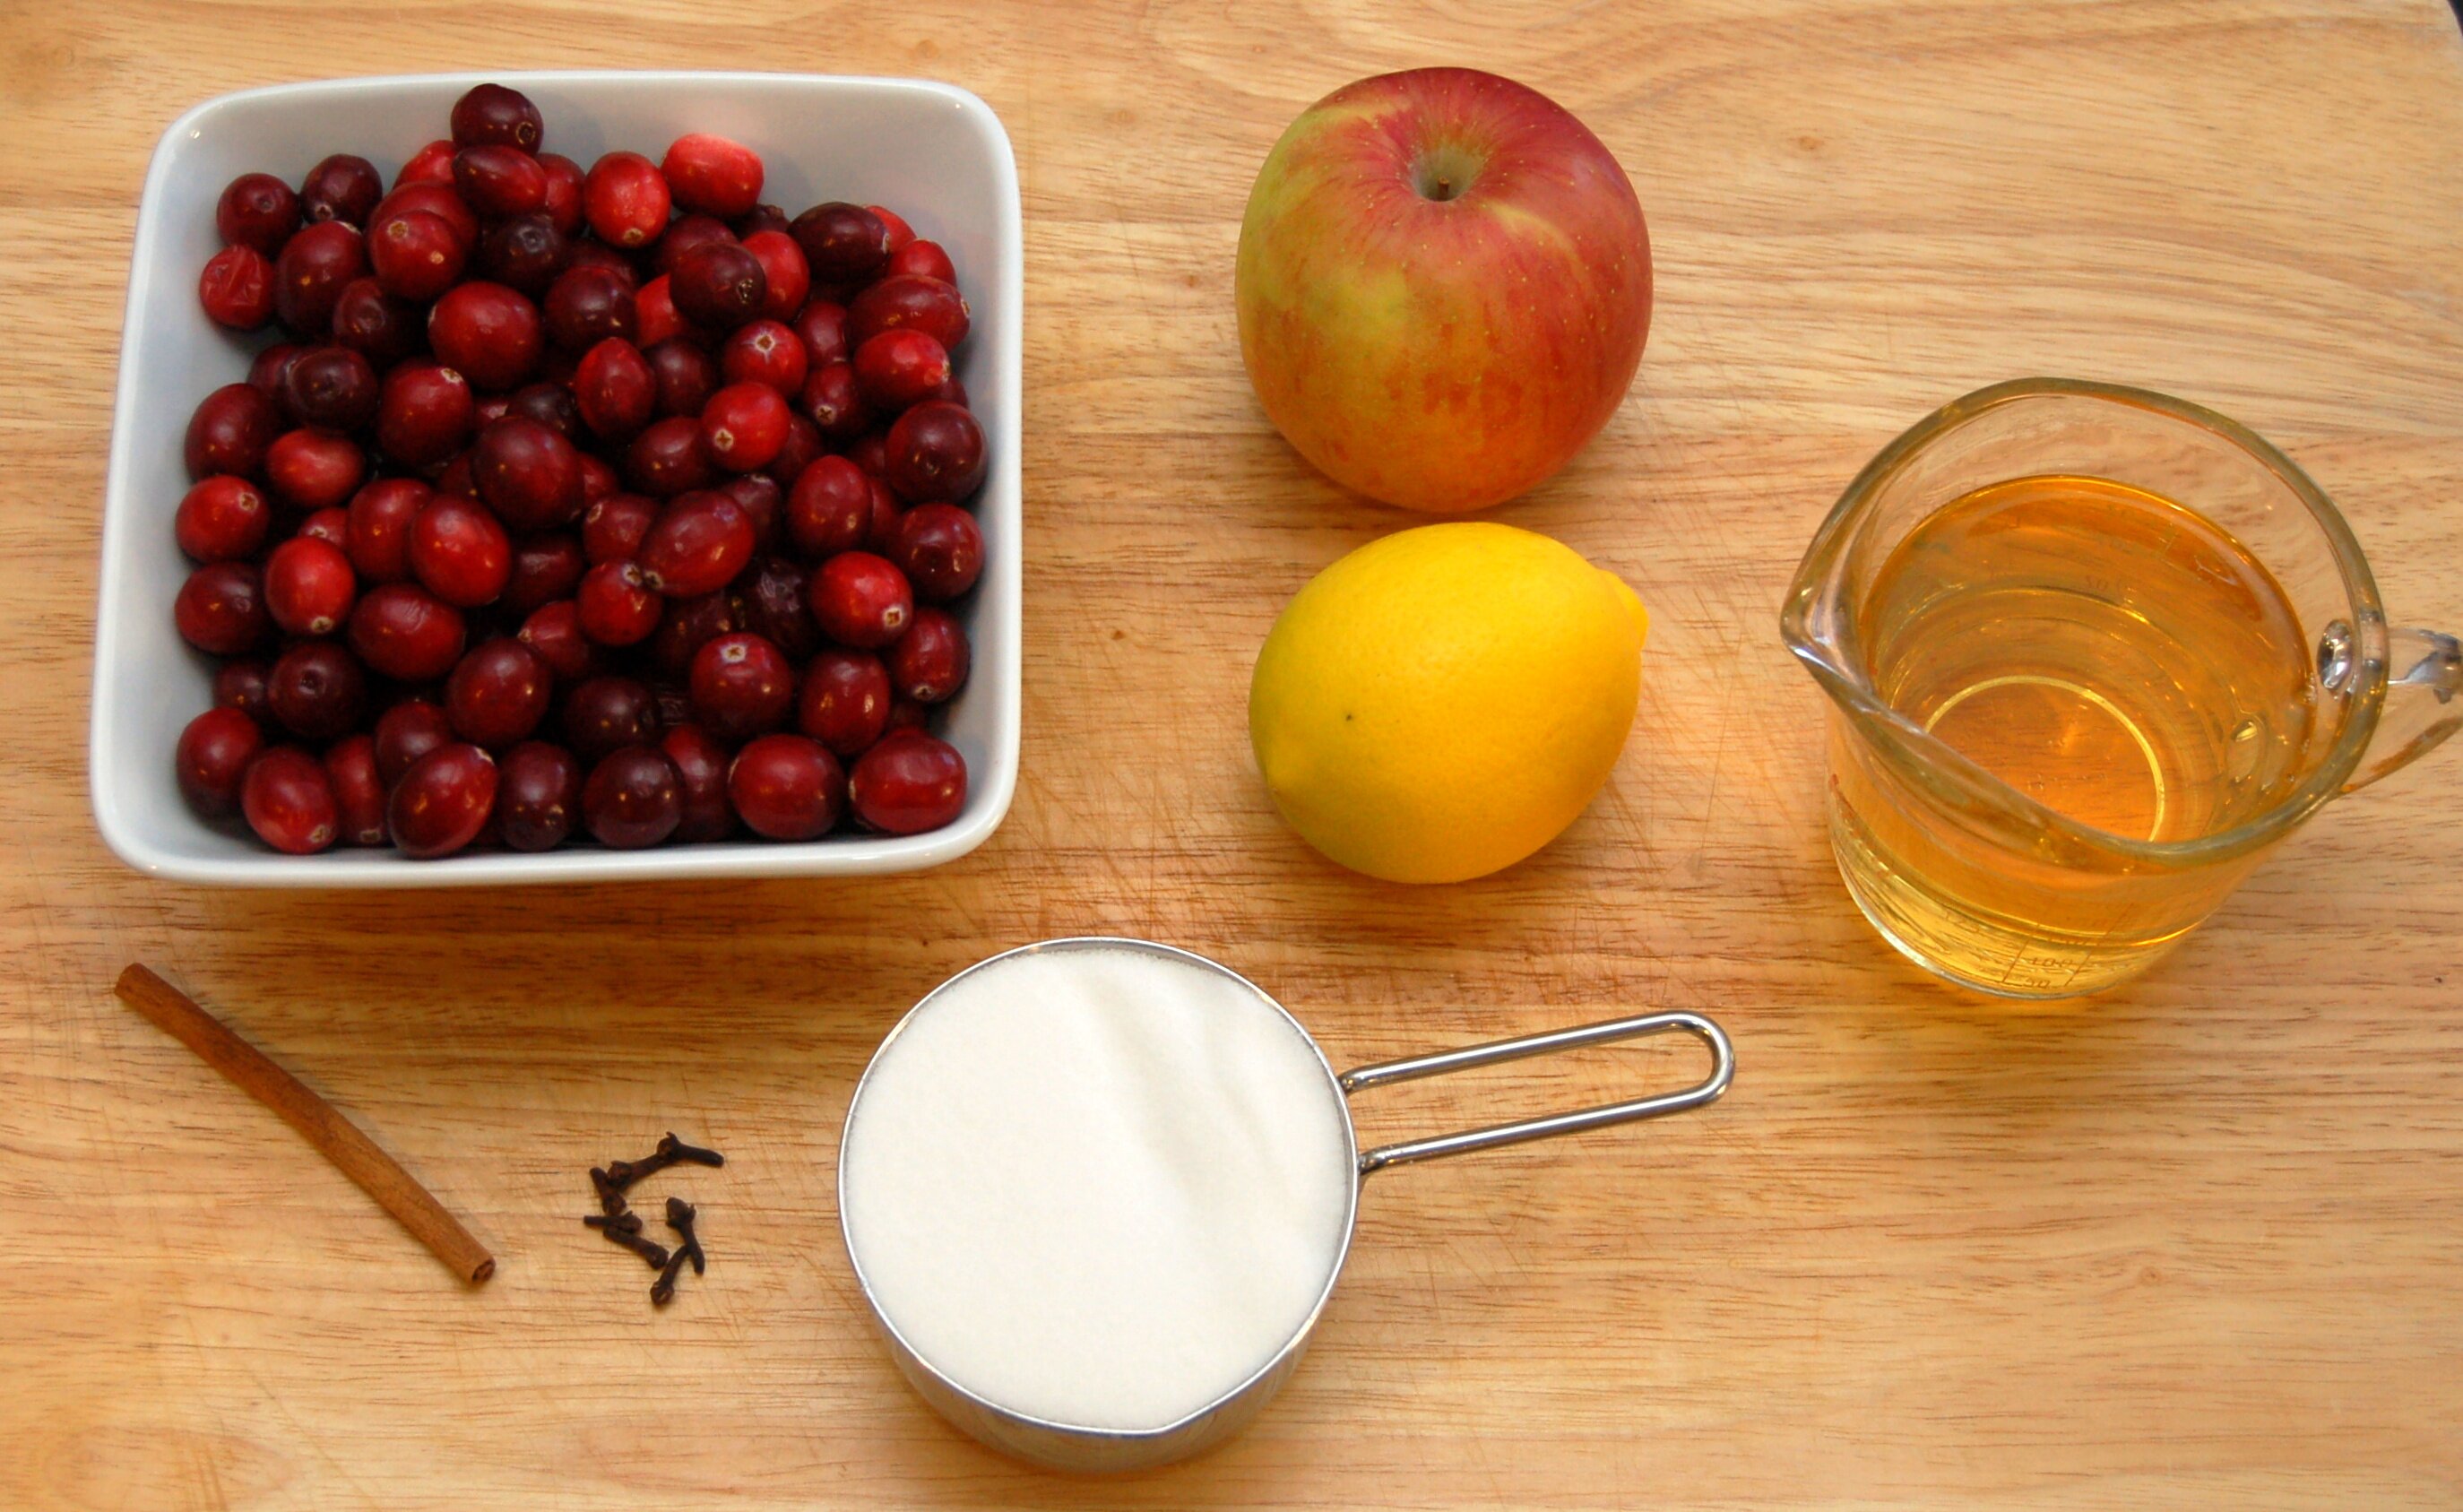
point(674, 702)
point(869, 451)
point(425, 412)
point(881, 540)
point(377, 325)
point(538, 796)
point(288, 801)
point(830, 508)
point(614, 526)
point(563, 203)
point(529, 474)
point(899, 367)
point(822, 327)
point(267, 368)
point(689, 232)
point(550, 405)
point(909, 301)
point(223, 519)
point(908, 783)
point(923, 257)
point(333, 387)
point(744, 425)
point(406, 731)
point(487, 331)
point(616, 607)
point(546, 567)
point(718, 286)
point(359, 797)
point(666, 458)
point(843, 243)
point(237, 288)
point(554, 630)
point(240, 685)
point(377, 537)
point(221, 609)
point(309, 275)
point(741, 685)
point(213, 754)
point(832, 403)
point(608, 713)
point(952, 390)
point(587, 305)
point(404, 632)
point(314, 469)
point(615, 390)
point(494, 116)
point(764, 504)
point(257, 210)
point(317, 690)
point(786, 787)
point(525, 253)
point(713, 176)
point(764, 352)
point(861, 599)
point(941, 549)
point(342, 188)
point(775, 603)
point(804, 447)
point(934, 453)
point(497, 693)
point(625, 200)
point(459, 552)
point(499, 181)
point(435, 199)
point(701, 773)
point(489, 410)
point(759, 219)
point(230, 429)
point(688, 625)
point(633, 800)
point(309, 586)
point(687, 376)
point(599, 478)
point(844, 703)
point(787, 280)
point(588, 254)
point(443, 802)
point(906, 713)
point(929, 663)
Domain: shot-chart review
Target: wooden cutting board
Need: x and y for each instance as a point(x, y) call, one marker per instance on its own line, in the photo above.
point(2196, 1244)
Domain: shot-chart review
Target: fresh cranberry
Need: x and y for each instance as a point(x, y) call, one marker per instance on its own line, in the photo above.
point(432, 163)
point(425, 412)
point(310, 274)
point(929, 663)
point(377, 325)
point(654, 310)
point(554, 630)
point(743, 425)
point(686, 374)
point(237, 288)
point(901, 366)
point(625, 199)
point(499, 181)
point(935, 453)
point(774, 601)
point(288, 801)
point(377, 537)
point(952, 390)
point(317, 690)
point(829, 509)
point(487, 411)
point(414, 255)
point(563, 203)
point(550, 405)
point(332, 388)
point(223, 519)
point(588, 254)
point(844, 703)
point(698, 544)
point(822, 327)
point(714, 175)
point(359, 798)
point(614, 526)
point(459, 552)
point(587, 305)
point(491, 333)
point(341, 187)
point(741, 685)
point(786, 787)
point(804, 447)
point(435, 199)
point(331, 525)
point(616, 390)
point(609, 713)
point(843, 243)
point(666, 458)
point(404, 632)
point(718, 286)
point(881, 539)
point(689, 231)
point(759, 219)
point(616, 607)
point(213, 758)
point(788, 281)
point(229, 433)
point(538, 796)
point(409, 730)
point(910, 301)
point(312, 469)
point(546, 567)
point(529, 474)
point(900, 232)
point(860, 600)
point(599, 478)
point(908, 783)
point(764, 352)
point(524, 254)
point(242, 685)
point(923, 257)
point(309, 586)
point(443, 802)
point(941, 549)
point(764, 504)
point(906, 713)
point(831, 399)
point(494, 116)
point(256, 211)
point(869, 451)
point(688, 625)
point(267, 368)
point(497, 693)
point(701, 774)
point(633, 799)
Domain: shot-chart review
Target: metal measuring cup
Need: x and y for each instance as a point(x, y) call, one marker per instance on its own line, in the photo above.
point(1076, 1447)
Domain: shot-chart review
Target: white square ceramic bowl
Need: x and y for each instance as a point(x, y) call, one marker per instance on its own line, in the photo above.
point(935, 153)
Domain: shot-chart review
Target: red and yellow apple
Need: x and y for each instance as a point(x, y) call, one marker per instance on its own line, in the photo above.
point(1444, 287)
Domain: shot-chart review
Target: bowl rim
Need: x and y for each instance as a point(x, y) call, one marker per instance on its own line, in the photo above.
point(378, 868)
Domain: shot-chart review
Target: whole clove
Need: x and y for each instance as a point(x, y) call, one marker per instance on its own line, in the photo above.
point(650, 1249)
point(672, 1151)
point(662, 1291)
point(615, 1222)
point(680, 1217)
point(611, 1192)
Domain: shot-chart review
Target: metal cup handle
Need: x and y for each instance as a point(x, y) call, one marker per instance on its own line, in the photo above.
point(1723, 1070)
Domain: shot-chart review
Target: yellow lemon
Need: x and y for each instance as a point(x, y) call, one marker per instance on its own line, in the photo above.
point(1441, 703)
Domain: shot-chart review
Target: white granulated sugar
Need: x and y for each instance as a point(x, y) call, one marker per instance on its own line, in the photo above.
point(1096, 1186)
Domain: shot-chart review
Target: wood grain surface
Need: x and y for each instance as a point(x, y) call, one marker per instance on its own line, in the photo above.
point(2196, 1244)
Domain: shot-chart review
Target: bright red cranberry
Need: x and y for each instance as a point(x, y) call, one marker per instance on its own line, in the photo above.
point(494, 116)
point(615, 390)
point(437, 199)
point(701, 774)
point(698, 544)
point(229, 433)
point(377, 325)
point(359, 798)
point(223, 519)
point(935, 453)
point(616, 607)
point(900, 232)
point(860, 600)
point(425, 412)
point(688, 625)
point(377, 537)
point(654, 310)
point(832, 403)
point(497, 693)
point(786, 787)
point(331, 525)
point(317, 690)
point(332, 388)
point(741, 685)
point(689, 231)
point(341, 187)
point(908, 783)
point(774, 601)
point(666, 458)
point(237, 288)
point(587, 305)
point(257, 210)
point(686, 374)
point(899, 367)
point(524, 252)
point(910, 301)
point(212, 757)
point(240, 685)
point(487, 331)
point(310, 274)
point(499, 181)
point(625, 199)
point(288, 801)
point(406, 731)
point(404, 632)
point(309, 586)
point(844, 703)
point(787, 280)
point(314, 469)
point(615, 526)
point(843, 243)
point(414, 255)
point(633, 800)
point(608, 713)
point(743, 425)
point(764, 504)
point(869, 451)
point(529, 474)
point(764, 352)
point(941, 549)
point(554, 630)
point(459, 552)
point(927, 258)
point(829, 509)
point(714, 175)
point(550, 405)
point(804, 447)
point(563, 201)
point(929, 663)
point(432, 163)
point(546, 567)
point(538, 796)
point(718, 286)
point(443, 802)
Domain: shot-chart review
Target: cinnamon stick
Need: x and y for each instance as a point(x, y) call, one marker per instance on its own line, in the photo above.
point(335, 1136)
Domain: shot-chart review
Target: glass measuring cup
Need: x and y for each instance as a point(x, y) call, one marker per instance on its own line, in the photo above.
point(901, 1184)
point(1981, 882)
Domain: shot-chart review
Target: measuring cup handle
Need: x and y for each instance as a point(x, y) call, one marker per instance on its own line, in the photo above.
point(2424, 672)
point(1723, 1070)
